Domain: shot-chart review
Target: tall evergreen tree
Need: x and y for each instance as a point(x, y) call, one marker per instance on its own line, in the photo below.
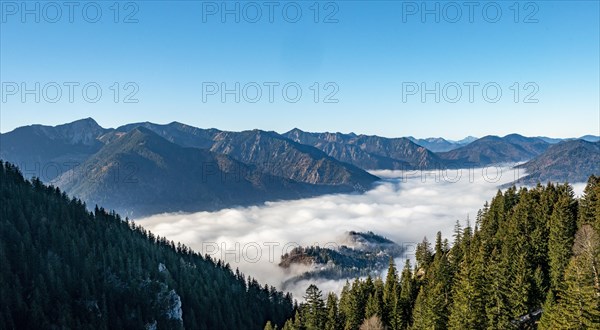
point(468, 308)
point(313, 311)
point(589, 204)
point(333, 319)
point(357, 306)
point(562, 229)
point(431, 307)
point(390, 293)
point(408, 294)
point(423, 254)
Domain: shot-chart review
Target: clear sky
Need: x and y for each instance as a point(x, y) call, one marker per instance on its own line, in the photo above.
point(372, 59)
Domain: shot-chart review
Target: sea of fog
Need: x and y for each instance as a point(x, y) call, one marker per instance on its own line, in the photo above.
point(403, 206)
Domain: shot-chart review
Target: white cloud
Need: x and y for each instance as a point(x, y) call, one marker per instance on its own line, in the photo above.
point(404, 207)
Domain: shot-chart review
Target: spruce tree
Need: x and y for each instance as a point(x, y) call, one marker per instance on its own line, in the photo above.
point(313, 311)
point(408, 294)
point(560, 242)
point(333, 320)
point(468, 307)
point(589, 204)
point(357, 305)
point(431, 307)
point(344, 308)
point(423, 254)
point(390, 293)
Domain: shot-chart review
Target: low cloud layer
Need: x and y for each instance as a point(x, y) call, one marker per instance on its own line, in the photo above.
point(404, 207)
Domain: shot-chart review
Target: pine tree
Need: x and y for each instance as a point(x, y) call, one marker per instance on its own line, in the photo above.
point(497, 307)
point(589, 204)
point(313, 311)
point(333, 319)
point(423, 254)
point(468, 307)
point(562, 230)
point(344, 307)
point(297, 324)
point(373, 307)
point(408, 294)
point(457, 248)
point(431, 307)
point(357, 305)
point(390, 293)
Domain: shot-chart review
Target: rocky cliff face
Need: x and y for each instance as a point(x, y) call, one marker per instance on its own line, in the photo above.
point(370, 152)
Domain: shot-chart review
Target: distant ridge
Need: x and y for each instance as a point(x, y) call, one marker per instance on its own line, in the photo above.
point(567, 161)
point(495, 150)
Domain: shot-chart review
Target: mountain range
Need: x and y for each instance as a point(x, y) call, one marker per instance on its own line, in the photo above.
point(145, 168)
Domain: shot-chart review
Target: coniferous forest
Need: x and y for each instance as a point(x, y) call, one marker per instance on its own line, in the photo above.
point(63, 267)
point(531, 260)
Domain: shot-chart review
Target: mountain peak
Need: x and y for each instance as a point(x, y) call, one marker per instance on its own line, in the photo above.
point(515, 135)
point(84, 123)
point(83, 131)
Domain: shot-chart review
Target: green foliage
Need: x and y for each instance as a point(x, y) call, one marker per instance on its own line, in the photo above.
point(64, 267)
point(390, 293)
point(589, 204)
point(562, 229)
point(333, 321)
point(423, 254)
point(578, 305)
point(468, 310)
point(313, 310)
point(431, 307)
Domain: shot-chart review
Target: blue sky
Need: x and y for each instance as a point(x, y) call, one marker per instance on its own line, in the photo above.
point(366, 55)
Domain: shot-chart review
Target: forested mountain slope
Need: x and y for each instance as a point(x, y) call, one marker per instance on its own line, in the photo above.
point(571, 161)
point(64, 267)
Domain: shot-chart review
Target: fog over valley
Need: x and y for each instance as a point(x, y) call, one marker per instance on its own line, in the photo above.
point(404, 207)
